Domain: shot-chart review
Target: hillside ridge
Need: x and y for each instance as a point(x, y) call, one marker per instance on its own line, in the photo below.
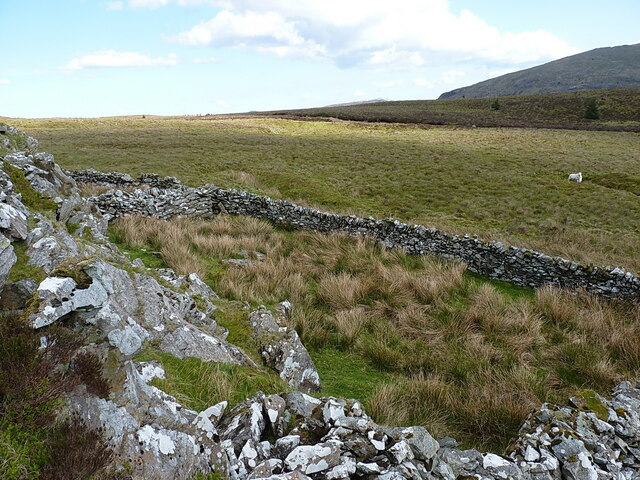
point(598, 69)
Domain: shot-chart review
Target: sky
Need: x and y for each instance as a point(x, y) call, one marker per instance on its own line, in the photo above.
point(90, 58)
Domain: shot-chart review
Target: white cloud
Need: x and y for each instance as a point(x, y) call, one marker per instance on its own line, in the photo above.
point(403, 35)
point(4, 82)
point(358, 93)
point(113, 59)
point(148, 3)
point(393, 59)
point(451, 76)
point(203, 61)
point(223, 104)
point(423, 82)
point(113, 6)
point(388, 84)
point(268, 32)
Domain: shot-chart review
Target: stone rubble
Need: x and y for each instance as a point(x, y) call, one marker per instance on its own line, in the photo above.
point(118, 308)
point(167, 198)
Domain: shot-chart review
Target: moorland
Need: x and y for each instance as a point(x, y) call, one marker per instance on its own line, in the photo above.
point(418, 340)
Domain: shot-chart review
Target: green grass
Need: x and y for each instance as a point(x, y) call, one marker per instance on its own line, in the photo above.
point(198, 385)
point(21, 269)
point(17, 141)
point(234, 316)
point(348, 375)
point(148, 258)
point(504, 184)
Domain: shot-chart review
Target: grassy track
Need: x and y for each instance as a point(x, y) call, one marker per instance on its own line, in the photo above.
point(506, 184)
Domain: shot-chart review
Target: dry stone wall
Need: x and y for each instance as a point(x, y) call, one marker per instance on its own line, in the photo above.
point(167, 198)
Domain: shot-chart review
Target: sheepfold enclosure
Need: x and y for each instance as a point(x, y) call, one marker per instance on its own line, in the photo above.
point(419, 340)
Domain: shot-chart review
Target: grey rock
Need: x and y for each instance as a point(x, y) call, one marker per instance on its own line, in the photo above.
point(500, 468)
point(301, 404)
point(461, 462)
point(47, 252)
point(189, 341)
point(285, 445)
point(244, 422)
point(266, 469)
point(288, 476)
point(282, 349)
point(68, 206)
point(577, 462)
point(422, 444)
point(343, 471)
point(7, 259)
point(310, 459)
point(13, 223)
point(14, 296)
point(59, 296)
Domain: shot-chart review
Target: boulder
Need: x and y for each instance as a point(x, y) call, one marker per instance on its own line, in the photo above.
point(13, 223)
point(244, 422)
point(7, 259)
point(282, 350)
point(49, 247)
point(310, 459)
point(59, 296)
point(14, 296)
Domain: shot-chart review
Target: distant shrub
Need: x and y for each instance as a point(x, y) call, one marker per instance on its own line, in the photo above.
point(592, 110)
point(495, 105)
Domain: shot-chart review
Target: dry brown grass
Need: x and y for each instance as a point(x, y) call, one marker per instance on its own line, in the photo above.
point(350, 324)
point(341, 291)
point(267, 281)
point(558, 306)
point(470, 358)
point(248, 181)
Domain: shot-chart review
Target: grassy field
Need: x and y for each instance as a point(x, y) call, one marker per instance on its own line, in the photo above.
point(418, 340)
point(618, 109)
point(504, 184)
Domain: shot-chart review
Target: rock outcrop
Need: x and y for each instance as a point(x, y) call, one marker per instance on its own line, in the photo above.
point(282, 349)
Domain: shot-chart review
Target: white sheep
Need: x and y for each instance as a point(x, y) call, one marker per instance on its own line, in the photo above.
point(575, 177)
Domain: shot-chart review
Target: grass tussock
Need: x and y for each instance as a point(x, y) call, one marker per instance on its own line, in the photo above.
point(461, 355)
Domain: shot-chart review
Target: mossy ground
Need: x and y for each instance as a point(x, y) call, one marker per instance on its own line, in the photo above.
point(198, 385)
point(30, 198)
point(21, 269)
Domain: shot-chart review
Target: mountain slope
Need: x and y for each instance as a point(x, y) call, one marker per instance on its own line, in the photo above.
point(602, 68)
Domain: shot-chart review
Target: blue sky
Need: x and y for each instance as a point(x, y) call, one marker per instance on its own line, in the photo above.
point(91, 58)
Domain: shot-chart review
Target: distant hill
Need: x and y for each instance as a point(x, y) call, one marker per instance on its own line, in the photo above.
point(362, 102)
point(602, 68)
point(619, 110)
